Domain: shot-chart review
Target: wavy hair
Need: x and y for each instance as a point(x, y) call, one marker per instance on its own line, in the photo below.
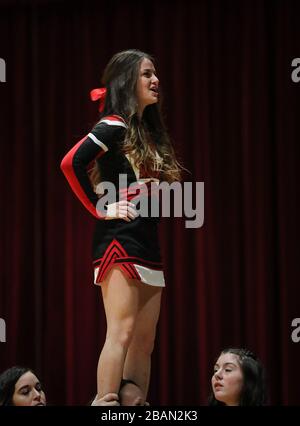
point(143, 137)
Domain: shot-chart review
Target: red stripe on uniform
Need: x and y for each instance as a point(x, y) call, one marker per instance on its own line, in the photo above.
point(114, 252)
point(113, 118)
point(68, 170)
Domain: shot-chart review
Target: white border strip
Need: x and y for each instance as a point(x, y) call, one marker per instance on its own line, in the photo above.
point(150, 276)
point(114, 123)
point(147, 276)
point(101, 144)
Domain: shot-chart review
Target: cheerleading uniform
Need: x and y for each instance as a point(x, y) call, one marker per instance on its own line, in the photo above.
point(133, 246)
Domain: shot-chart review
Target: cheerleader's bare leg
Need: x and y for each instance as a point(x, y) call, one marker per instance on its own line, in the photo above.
point(121, 304)
point(138, 359)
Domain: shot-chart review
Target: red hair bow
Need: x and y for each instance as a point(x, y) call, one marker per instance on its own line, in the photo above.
point(99, 94)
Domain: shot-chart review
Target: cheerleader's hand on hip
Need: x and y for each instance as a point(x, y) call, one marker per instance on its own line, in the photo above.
point(121, 210)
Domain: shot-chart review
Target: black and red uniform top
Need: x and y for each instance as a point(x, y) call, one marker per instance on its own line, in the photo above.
point(134, 245)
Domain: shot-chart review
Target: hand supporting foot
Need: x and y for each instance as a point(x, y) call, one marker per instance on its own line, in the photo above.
point(110, 399)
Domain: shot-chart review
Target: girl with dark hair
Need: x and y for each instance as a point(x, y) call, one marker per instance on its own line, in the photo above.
point(19, 386)
point(238, 379)
point(129, 140)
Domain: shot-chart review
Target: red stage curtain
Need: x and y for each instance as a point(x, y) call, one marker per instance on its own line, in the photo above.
point(233, 113)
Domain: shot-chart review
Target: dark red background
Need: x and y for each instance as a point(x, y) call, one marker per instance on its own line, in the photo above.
point(233, 113)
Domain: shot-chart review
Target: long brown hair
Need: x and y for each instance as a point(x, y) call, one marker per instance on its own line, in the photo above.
point(144, 138)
